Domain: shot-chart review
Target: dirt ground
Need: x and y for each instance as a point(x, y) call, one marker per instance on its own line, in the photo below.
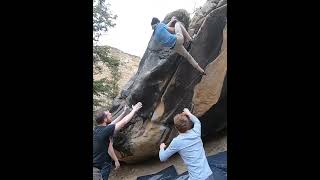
point(132, 171)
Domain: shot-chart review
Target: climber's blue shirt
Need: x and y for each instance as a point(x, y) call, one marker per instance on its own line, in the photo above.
point(162, 35)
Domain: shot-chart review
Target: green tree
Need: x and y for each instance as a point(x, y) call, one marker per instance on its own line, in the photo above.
point(103, 19)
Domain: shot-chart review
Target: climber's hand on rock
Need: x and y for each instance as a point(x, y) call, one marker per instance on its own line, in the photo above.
point(163, 145)
point(136, 107)
point(186, 111)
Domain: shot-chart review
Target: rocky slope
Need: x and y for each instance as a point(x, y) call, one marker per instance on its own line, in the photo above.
point(128, 67)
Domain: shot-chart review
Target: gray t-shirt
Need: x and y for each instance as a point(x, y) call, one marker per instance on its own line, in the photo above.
point(190, 147)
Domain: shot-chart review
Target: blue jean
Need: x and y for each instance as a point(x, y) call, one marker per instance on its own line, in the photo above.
point(210, 177)
point(105, 171)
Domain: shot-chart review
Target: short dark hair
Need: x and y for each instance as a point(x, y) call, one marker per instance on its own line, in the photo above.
point(154, 21)
point(100, 116)
point(182, 122)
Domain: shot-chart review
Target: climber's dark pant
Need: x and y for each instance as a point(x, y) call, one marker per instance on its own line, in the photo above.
point(210, 177)
point(105, 171)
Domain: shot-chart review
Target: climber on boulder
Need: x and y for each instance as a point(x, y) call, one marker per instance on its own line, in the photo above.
point(189, 145)
point(173, 35)
point(102, 140)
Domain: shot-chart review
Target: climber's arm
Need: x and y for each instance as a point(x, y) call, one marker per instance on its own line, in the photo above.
point(121, 115)
point(172, 21)
point(128, 117)
point(170, 25)
point(195, 120)
point(165, 154)
point(171, 30)
point(112, 154)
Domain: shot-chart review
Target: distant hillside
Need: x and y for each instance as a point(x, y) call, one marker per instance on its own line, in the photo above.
point(128, 67)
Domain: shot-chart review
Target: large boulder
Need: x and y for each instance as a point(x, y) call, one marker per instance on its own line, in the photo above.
point(166, 83)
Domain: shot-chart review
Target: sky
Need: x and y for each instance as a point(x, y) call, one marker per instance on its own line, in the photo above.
point(133, 30)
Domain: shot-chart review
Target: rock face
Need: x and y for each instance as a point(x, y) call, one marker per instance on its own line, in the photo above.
point(166, 83)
